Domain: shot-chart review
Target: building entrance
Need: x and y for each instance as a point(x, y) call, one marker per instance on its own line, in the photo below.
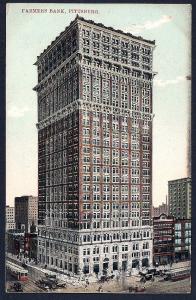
point(135, 263)
point(105, 265)
point(145, 262)
point(96, 269)
point(115, 266)
point(124, 265)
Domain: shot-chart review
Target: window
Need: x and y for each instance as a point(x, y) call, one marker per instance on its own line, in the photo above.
point(136, 246)
point(178, 226)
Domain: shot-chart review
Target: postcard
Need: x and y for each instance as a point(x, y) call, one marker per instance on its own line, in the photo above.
point(98, 121)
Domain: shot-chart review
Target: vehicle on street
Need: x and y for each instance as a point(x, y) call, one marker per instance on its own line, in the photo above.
point(17, 287)
point(147, 277)
point(45, 284)
point(153, 271)
point(177, 274)
point(104, 278)
point(17, 271)
point(50, 283)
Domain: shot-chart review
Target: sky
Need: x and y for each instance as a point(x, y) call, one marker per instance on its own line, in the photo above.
point(28, 34)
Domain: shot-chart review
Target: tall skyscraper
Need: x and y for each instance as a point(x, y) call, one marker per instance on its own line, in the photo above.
point(95, 149)
point(179, 196)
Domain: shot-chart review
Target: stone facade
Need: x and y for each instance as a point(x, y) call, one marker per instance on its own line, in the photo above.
point(95, 150)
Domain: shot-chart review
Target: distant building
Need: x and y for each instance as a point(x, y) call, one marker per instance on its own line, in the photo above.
point(163, 242)
point(161, 209)
point(182, 235)
point(26, 212)
point(10, 217)
point(179, 197)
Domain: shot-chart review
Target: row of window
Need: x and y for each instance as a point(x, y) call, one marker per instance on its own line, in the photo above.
point(115, 248)
point(58, 98)
point(116, 54)
point(114, 40)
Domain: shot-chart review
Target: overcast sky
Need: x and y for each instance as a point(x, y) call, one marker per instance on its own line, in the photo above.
point(29, 34)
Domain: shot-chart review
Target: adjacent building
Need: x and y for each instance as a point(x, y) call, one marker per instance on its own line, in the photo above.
point(163, 242)
point(95, 149)
point(30, 245)
point(10, 218)
point(182, 241)
point(179, 197)
point(15, 241)
point(161, 209)
point(172, 239)
point(26, 212)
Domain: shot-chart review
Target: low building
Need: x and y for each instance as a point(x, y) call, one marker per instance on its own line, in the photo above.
point(10, 218)
point(15, 241)
point(163, 241)
point(182, 239)
point(23, 244)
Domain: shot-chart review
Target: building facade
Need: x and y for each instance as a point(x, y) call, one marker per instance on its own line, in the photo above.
point(182, 235)
point(95, 150)
point(163, 242)
point(15, 241)
point(10, 217)
point(179, 197)
point(26, 212)
point(30, 245)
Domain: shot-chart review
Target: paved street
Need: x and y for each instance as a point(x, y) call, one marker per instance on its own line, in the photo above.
point(178, 287)
point(118, 285)
point(157, 287)
point(28, 286)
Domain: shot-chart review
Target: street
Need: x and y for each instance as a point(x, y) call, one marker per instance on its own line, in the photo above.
point(163, 287)
point(114, 286)
point(28, 286)
point(118, 285)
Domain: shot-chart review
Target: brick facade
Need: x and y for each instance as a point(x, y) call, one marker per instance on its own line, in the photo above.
point(95, 149)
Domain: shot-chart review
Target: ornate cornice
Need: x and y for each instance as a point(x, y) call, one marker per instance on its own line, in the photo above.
point(90, 106)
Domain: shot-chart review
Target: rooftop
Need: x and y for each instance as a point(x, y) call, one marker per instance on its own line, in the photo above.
point(97, 24)
point(180, 179)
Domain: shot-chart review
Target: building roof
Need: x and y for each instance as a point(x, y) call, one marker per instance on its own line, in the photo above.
point(163, 217)
point(116, 30)
point(97, 24)
point(180, 179)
